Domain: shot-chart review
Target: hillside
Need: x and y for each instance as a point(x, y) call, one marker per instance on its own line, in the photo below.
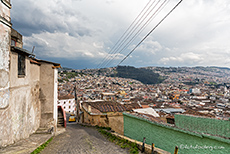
point(141, 74)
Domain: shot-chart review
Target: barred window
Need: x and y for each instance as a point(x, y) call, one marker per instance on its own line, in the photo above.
point(21, 65)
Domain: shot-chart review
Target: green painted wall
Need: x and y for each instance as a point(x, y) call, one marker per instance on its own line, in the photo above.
point(203, 125)
point(166, 137)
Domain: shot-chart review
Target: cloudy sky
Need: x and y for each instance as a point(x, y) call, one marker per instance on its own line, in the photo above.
point(80, 33)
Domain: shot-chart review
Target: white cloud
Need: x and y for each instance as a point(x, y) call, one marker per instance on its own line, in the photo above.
point(63, 45)
point(196, 33)
point(183, 59)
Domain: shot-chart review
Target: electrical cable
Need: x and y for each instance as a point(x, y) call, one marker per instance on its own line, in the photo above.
point(123, 34)
point(142, 28)
point(132, 31)
point(150, 32)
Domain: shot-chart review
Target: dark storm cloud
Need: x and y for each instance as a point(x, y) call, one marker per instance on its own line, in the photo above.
point(28, 19)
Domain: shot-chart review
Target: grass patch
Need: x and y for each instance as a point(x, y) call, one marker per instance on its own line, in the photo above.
point(40, 148)
point(123, 143)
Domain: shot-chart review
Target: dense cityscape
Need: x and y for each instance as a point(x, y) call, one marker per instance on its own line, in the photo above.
point(202, 91)
point(69, 83)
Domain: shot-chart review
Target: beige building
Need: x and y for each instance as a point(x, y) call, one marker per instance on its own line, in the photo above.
point(104, 114)
point(31, 93)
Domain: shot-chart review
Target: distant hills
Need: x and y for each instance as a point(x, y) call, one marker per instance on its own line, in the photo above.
point(212, 75)
point(141, 74)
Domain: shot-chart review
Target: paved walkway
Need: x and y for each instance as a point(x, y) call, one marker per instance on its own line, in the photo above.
point(26, 146)
point(82, 140)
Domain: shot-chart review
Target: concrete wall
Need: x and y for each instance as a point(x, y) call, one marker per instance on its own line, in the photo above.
point(112, 120)
point(166, 138)
point(215, 127)
point(20, 106)
point(48, 95)
point(94, 119)
point(55, 96)
point(116, 123)
point(22, 117)
point(5, 30)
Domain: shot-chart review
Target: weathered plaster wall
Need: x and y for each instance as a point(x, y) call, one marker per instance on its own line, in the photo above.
point(167, 138)
point(22, 117)
point(94, 119)
point(116, 123)
point(5, 30)
point(55, 109)
point(47, 96)
point(112, 120)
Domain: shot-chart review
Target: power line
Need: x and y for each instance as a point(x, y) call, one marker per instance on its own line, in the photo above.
point(142, 28)
point(137, 25)
point(130, 33)
point(106, 57)
point(151, 31)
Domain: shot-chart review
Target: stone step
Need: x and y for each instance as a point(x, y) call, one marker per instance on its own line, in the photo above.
point(60, 122)
point(43, 131)
point(60, 125)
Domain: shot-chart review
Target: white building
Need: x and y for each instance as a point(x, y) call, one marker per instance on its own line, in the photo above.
point(68, 103)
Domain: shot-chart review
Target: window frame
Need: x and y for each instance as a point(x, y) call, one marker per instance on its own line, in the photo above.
point(21, 65)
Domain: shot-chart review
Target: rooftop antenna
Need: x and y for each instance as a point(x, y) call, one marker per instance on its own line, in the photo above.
point(33, 56)
point(33, 49)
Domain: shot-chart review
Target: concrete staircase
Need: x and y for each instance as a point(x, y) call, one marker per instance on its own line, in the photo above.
point(61, 121)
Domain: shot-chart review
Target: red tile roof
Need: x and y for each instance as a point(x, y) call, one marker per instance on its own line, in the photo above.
point(108, 106)
point(66, 97)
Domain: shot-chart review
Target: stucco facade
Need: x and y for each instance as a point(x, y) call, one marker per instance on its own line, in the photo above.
point(48, 93)
point(22, 117)
point(5, 31)
point(31, 89)
point(114, 120)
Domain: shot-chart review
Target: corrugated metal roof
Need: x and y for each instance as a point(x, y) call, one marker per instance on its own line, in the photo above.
point(149, 111)
point(171, 110)
point(108, 106)
point(17, 49)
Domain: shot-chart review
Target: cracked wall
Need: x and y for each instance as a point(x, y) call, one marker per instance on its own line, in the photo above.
point(22, 116)
point(5, 31)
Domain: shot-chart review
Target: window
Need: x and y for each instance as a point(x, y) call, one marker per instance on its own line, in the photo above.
point(21, 65)
point(13, 42)
point(69, 107)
